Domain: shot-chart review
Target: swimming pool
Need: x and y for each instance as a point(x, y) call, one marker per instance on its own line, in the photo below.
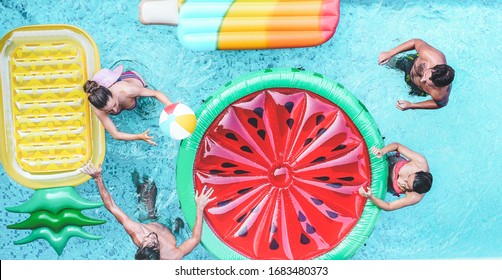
point(459, 218)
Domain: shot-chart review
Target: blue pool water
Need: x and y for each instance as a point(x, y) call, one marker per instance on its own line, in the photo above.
point(460, 218)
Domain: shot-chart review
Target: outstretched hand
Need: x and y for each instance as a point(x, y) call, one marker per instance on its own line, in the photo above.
point(203, 198)
point(89, 169)
point(365, 193)
point(384, 57)
point(403, 105)
point(147, 138)
point(376, 151)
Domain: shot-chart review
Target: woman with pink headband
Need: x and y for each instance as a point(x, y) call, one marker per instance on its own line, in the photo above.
point(408, 175)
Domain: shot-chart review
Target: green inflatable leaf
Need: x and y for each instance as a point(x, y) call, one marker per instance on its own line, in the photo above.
point(55, 217)
point(57, 240)
point(56, 221)
point(54, 200)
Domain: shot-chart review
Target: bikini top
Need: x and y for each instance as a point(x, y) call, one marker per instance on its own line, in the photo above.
point(397, 168)
point(130, 108)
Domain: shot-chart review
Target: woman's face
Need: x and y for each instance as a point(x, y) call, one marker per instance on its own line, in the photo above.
point(406, 184)
point(112, 107)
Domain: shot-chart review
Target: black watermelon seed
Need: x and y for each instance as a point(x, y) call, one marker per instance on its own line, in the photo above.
point(319, 159)
point(307, 141)
point(319, 119)
point(304, 239)
point(255, 209)
point(231, 136)
point(258, 111)
point(289, 106)
point(334, 185)
point(274, 245)
point(243, 191)
point(310, 229)
point(253, 122)
point(223, 203)
point(262, 134)
point(322, 178)
point(339, 147)
point(347, 178)
point(243, 232)
point(215, 171)
point(332, 214)
point(290, 123)
point(316, 201)
point(238, 172)
point(273, 228)
point(321, 131)
point(301, 217)
point(228, 165)
point(241, 218)
point(246, 149)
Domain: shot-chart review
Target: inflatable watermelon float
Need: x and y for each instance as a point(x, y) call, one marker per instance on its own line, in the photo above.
point(286, 152)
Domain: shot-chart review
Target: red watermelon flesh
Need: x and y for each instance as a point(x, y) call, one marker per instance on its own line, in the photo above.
point(286, 165)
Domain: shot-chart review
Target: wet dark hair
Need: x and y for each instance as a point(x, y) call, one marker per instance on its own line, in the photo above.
point(147, 253)
point(422, 182)
point(96, 94)
point(442, 75)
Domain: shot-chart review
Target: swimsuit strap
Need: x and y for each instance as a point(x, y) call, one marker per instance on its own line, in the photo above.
point(132, 75)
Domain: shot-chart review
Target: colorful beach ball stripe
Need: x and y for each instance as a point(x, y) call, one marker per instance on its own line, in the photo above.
point(177, 121)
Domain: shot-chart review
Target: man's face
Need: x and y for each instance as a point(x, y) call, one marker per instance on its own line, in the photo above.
point(426, 78)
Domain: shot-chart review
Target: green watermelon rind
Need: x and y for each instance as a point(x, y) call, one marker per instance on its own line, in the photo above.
point(282, 78)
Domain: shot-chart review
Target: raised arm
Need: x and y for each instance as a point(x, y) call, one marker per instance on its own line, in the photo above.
point(408, 200)
point(402, 149)
point(413, 44)
point(201, 200)
point(157, 94)
point(116, 134)
point(135, 91)
point(130, 226)
point(404, 105)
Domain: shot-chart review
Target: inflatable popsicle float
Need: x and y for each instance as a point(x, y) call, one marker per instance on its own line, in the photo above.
point(245, 24)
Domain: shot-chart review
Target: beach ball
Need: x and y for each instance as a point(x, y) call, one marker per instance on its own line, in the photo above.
point(177, 121)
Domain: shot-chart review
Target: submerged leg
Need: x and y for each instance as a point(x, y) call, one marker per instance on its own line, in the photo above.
point(135, 181)
point(178, 224)
point(147, 196)
point(150, 199)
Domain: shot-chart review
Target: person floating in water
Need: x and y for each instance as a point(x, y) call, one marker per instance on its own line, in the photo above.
point(154, 240)
point(426, 72)
point(111, 91)
point(408, 175)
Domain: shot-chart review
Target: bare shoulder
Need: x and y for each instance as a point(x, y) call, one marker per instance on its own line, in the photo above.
point(441, 95)
point(414, 197)
point(430, 53)
point(137, 231)
point(420, 163)
point(128, 89)
point(155, 227)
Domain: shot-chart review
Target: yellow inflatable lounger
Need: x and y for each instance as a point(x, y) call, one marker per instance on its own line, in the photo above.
point(47, 129)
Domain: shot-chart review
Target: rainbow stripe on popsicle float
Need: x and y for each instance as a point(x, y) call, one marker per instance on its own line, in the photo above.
point(256, 24)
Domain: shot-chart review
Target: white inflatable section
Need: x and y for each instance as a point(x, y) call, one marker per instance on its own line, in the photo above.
point(158, 12)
